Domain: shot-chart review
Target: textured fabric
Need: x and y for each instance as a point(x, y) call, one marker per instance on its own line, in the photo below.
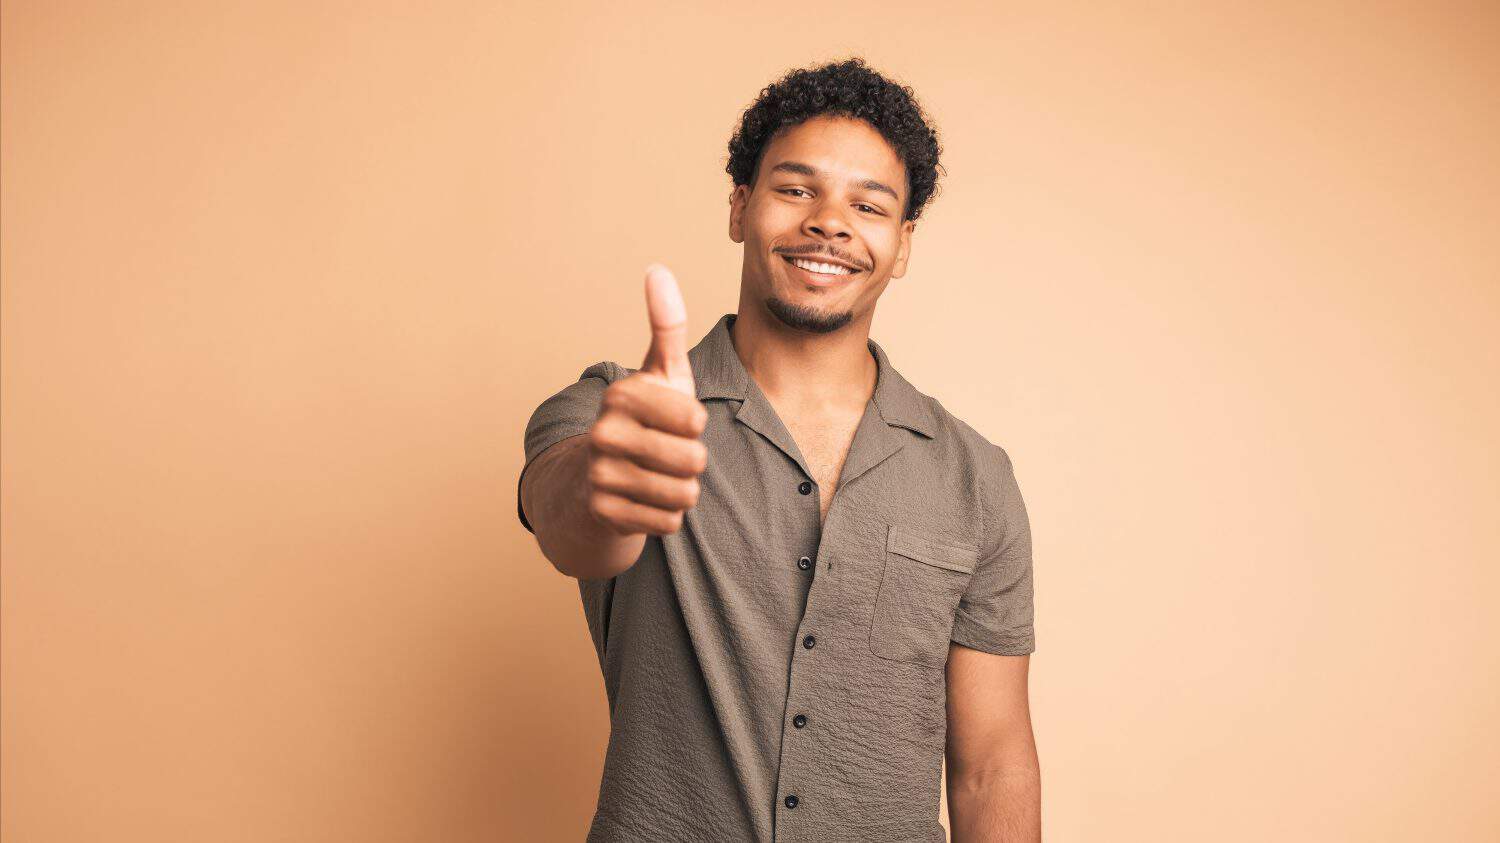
point(716, 640)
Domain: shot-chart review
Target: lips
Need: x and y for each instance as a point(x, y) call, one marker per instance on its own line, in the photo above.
point(820, 279)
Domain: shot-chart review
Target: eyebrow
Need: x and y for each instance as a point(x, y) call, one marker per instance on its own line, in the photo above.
point(802, 169)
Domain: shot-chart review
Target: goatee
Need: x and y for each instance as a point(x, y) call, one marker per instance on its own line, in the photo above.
point(809, 319)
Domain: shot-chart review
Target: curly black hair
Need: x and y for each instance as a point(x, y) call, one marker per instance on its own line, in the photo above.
point(849, 88)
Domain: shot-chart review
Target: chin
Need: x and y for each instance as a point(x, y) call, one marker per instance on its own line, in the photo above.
point(802, 317)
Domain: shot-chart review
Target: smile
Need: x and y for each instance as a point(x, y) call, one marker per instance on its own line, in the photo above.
point(817, 268)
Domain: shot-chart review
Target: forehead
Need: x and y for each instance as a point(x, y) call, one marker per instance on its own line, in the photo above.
point(845, 148)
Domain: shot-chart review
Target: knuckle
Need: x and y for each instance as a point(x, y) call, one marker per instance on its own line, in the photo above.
point(605, 434)
point(598, 473)
point(599, 506)
point(613, 398)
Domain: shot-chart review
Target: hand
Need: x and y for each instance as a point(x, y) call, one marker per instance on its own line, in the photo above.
point(645, 453)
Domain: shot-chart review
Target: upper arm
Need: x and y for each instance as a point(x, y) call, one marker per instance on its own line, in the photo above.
point(995, 613)
point(989, 712)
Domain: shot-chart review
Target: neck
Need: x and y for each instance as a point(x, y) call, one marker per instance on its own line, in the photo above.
point(814, 373)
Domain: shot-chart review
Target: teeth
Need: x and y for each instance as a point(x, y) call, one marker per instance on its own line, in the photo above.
point(823, 268)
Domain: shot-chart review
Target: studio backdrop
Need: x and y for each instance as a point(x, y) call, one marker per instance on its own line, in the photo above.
point(283, 281)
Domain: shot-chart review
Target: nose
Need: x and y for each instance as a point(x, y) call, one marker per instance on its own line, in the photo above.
point(825, 221)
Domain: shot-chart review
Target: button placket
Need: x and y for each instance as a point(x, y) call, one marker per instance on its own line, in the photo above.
point(799, 721)
point(790, 753)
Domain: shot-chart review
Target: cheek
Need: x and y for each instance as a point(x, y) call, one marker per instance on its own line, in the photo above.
point(771, 219)
point(883, 244)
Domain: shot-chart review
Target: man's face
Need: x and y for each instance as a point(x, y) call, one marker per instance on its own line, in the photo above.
point(830, 190)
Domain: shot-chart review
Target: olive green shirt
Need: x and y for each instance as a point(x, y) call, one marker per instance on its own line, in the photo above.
point(773, 679)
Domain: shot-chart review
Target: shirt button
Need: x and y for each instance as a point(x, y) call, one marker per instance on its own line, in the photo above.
point(791, 800)
point(805, 488)
point(804, 563)
point(809, 641)
point(799, 721)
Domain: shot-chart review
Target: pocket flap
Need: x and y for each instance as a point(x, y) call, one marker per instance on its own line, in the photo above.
point(942, 553)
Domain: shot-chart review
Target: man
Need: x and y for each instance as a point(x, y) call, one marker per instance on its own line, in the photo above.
point(805, 580)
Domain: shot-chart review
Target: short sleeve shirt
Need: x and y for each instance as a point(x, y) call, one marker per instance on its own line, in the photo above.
point(771, 678)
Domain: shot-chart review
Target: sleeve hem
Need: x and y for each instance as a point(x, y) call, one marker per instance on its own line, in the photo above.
point(1017, 643)
point(998, 646)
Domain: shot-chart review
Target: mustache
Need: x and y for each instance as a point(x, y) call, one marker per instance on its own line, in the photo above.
point(816, 249)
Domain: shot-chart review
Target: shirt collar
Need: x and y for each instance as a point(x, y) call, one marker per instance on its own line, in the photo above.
point(718, 373)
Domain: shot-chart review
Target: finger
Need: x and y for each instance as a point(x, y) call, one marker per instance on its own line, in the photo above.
point(628, 517)
point(628, 480)
point(650, 400)
point(667, 453)
point(667, 312)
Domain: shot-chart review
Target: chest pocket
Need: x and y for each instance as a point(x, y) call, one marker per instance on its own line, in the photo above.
point(921, 582)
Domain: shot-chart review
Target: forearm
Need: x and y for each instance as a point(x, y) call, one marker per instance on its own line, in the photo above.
point(1002, 806)
point(554, 493)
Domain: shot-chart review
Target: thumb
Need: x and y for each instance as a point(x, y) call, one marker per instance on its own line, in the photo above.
point(668, 314)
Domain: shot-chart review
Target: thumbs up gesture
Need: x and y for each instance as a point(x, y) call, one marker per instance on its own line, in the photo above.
point(645, 450)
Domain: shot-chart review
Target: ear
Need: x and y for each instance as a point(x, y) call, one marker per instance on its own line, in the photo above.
point(903, 251)
point(737, 201)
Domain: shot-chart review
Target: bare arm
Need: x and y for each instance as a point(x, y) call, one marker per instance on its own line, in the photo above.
point(555, 494)
point(994, 778)
point(592, 499)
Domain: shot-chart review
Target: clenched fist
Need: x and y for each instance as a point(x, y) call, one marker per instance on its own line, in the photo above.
point(645, 451)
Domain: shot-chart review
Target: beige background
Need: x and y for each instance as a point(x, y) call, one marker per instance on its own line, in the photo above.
point(282, 283)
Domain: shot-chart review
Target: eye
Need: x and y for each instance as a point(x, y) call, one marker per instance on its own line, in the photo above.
point(868, 208)
point(792, 190)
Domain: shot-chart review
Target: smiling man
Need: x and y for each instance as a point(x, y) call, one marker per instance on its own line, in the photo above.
point(807, 582)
